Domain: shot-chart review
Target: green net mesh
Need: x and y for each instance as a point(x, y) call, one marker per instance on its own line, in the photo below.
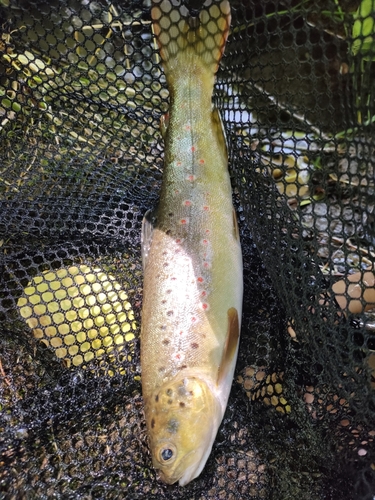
point(81, 159)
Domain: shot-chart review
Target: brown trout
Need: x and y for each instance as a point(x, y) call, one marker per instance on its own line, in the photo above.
point(191, 252)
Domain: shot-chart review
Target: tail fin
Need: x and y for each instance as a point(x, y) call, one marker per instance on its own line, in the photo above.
point(182, 37)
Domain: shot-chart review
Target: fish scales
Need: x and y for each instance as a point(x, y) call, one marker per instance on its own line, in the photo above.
point(192, 238)
point(192, 256)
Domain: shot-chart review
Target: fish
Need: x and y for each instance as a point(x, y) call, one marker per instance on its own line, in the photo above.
point(191, 251)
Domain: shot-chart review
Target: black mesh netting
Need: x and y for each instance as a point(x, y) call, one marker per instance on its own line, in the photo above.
point(81, 158)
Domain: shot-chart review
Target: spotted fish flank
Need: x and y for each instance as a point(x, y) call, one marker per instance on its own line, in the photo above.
point(191, 253)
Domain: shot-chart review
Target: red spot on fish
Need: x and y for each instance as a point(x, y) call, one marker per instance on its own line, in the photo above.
point(187, 127)
point(178, 356)
point(204, 293)
point(207, 231)
point(205, 306)
point(206, 208)
point(183, 221)
point(201, 161)
point(200, 279)
point(181, 332)
point(193, 149)
point(179, 164)
point(176, 191)
point(191, 178)
point(187, 203)
point(193, 319)
point(206, 265)
point(205, 242)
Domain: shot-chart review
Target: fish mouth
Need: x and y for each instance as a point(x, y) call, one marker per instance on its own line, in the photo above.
point(195, 468)
point(167, 479)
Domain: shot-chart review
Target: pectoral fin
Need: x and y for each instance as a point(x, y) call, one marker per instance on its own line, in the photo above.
point(235, 225)
point(146, 236)
point(231, 343)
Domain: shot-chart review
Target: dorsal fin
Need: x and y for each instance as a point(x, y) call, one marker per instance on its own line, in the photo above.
point(146, 236)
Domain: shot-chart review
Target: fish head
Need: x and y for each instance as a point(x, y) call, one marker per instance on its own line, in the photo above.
point(182, 421)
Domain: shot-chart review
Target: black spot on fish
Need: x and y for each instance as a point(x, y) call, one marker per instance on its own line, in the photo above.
point(169, 392)
point(169, 313)
point(165, 253)
point(173, 426)
point(169, 291)
point(165, 342)
point(152, 423)
point(164, 301)
point(170, 401)
point(171, 214)
point(194, 345)
point(157, 397)
point(182, 367)
point(182, 391)
point(166, 264)
point(162, 327)
point(182, 404)
point(168, 232)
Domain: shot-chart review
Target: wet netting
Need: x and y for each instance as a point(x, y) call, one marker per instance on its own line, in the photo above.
point(82, 91)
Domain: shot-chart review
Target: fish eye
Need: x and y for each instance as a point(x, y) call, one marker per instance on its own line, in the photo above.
point(166, 454)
